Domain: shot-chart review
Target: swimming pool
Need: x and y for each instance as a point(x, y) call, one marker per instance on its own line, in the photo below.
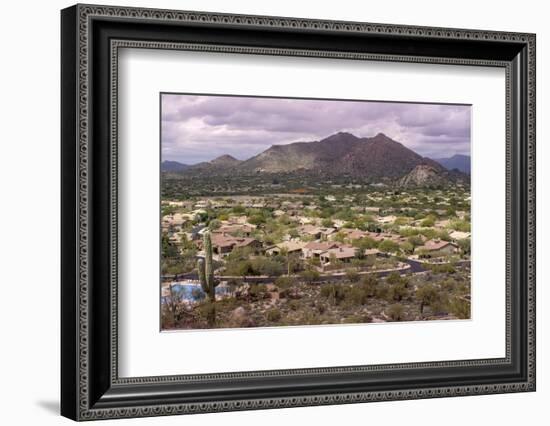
point(191, 291)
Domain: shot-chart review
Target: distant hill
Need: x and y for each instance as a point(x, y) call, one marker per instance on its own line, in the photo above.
point(219, 165)
point(300, 156)
point(225, 161)
point(173, 166)
point(458, 161)
point(427, 175)
point(381, 157)
point(341, 154)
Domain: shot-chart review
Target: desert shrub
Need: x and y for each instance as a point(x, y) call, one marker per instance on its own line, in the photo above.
point(427, 295)
point(465, 245)
point(445, 268)
point(310, 318)
point(365, 243)
point(294, 305)
point(352, 275)
point(207, 311)
point(356, 296)
point(364, 262)
point(449, 284)
point(388, 246)
point(273, 314)
point(407, 247)
point(429, 233)
point(383, 292)
point(266, 266)
point(393, 278)
point(460, 307)
point(335, 293)
point(443, 235)
point(309, 275)
point(327, 290)
point(257, 292)
point(240, 268)
point(285, 282)
point(398, 291)
point(327, 223)
point(370, 285)
point(428, 222)
point(415, 240)
point(396, 312)
point(460, 225)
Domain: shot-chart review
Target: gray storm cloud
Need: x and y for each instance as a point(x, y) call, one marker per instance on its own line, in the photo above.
point(200, 128)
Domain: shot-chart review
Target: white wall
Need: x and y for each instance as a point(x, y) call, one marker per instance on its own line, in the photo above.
point(29, 213)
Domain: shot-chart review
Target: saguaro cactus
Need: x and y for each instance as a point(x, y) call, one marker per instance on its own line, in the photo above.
point(206, 269)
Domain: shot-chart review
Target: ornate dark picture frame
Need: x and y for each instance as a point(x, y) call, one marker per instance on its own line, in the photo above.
point(90, 385)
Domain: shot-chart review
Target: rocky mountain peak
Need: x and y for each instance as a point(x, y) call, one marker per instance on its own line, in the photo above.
point(225, 160)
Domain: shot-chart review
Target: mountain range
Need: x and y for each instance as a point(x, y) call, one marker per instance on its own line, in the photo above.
point(173, 166)
point(457, 161)
point(341, 154)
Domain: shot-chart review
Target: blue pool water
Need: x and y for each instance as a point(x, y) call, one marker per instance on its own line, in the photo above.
point(193, 292)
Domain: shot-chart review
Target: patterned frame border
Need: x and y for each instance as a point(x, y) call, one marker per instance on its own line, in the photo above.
point(86, 13)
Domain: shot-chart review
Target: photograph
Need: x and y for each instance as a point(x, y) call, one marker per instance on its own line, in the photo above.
point(346, 208)
point(308, 212)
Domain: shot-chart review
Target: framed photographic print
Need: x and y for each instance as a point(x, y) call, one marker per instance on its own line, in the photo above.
point(263, 212)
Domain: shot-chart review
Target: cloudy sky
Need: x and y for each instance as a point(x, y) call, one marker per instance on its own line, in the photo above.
point(201, 128)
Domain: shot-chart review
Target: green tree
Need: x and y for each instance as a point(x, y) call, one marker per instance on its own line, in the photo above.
point(327, 223)
point(214, 224)
point(388, 246)
point(352, 275)
point(399, 291)
point(394, 278)
point(465, 246)
point(309, 275)
point(340, 237)
point(427, 295)
point(365, 243)
point(407, 247)
point(396, 312)
point(415, 240)
point(428, 222)
point(273, 315)
point(460, 307)
point(370, 285)
point(284, 283)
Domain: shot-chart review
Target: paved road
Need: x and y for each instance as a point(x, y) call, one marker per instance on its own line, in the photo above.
point(415, 267)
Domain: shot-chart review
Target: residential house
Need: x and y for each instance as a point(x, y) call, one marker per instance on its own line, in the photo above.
point(293, 248)
point(325, 232)
point(237, 219)
point(316, 248)
point(340, 254)
point(244, 229)
point(175, 220)
point(354, 234)
point(310, 231)
point(224, 244)
point(435, 248)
